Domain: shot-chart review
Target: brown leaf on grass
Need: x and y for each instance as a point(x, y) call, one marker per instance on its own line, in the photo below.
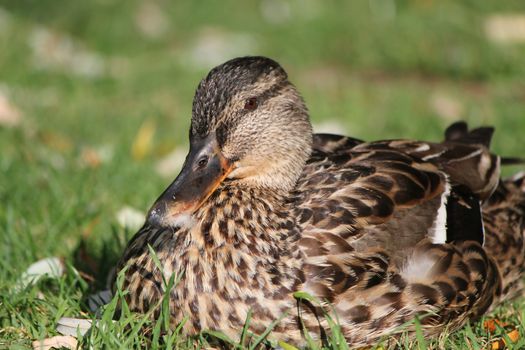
point(171, 164)
point(506, 28)
point(143, 141)
point(492, 325)
point(445, 106)
point(56, 141)
point(10, 116)
point(151, 20)
point(57, 342)
point(59, 52)
point(513, 336)
point(92, 157)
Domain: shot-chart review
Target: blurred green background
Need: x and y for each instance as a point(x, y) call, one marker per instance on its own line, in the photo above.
point(95, 96)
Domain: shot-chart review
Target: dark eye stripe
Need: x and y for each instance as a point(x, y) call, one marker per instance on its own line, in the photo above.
point(272, 91)
point(269, 93)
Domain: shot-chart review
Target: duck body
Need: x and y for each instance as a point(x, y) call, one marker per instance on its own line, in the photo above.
point(379, 232)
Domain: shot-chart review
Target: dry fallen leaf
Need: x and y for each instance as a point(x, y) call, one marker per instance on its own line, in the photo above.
point(171, 164)
point(513, 335)
point(445, 106)
point(130, 218)
point(506, 28)
point(57, 141)
point(492, 325)
point(51, 267)
point(10, 116)
point(56, 51)
point(70, 326)
point(151, 20)
point(143, 140)
point(92, 157)
point(57, 342)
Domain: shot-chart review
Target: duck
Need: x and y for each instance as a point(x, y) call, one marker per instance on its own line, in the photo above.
point(377, 233)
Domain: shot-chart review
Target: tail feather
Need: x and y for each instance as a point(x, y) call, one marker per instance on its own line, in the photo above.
point(518, 180)
point(503, 212)
point(504, 220)
point(456, 131)
point(512, 161)
point(459, 132)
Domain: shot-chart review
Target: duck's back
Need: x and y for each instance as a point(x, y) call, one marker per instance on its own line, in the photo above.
point(394, 228)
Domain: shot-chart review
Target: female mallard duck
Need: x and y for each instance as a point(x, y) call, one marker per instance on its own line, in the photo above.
point(381, 232)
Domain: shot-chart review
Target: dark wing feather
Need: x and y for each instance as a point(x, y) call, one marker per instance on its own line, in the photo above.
point(464, 221)
point(468, 164)
point(459, 132)
point(388, 193)
point(331, 143)
point(349, 193)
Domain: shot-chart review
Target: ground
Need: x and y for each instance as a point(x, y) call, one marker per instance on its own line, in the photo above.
point(95, 103)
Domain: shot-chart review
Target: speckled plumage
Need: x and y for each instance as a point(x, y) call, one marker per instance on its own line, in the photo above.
point(381, 232)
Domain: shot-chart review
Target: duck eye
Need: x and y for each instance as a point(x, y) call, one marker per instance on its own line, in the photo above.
point(250, 104)
point(202, 161)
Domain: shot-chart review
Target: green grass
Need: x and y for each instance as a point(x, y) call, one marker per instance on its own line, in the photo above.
point(380, 69)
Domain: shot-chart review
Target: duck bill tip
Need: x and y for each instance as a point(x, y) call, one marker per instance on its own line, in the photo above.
point(192, 187)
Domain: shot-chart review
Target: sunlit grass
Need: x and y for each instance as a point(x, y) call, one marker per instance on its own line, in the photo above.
point(375, 69)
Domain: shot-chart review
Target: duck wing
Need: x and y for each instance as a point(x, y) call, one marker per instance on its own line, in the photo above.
point(392, 194)
point(331, 144)
point(376, 219)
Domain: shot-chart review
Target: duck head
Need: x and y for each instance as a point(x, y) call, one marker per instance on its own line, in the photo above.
point(249, 128)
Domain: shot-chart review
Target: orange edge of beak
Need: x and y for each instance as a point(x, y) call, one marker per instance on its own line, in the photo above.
point(192, 206)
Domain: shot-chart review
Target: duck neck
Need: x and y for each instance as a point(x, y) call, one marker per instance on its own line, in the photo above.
point(244, 237)
point(239, 215)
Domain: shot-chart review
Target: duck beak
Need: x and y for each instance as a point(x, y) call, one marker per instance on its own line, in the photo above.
point(197, 181)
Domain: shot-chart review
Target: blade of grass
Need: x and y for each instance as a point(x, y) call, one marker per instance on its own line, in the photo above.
point(421, 342)
point(245, 327)
point(267, 331)
point(221, 336)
